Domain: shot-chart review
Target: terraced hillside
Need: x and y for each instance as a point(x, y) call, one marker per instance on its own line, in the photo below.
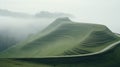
point(63, 38)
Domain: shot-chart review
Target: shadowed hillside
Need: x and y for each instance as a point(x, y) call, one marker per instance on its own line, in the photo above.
point(6, 40)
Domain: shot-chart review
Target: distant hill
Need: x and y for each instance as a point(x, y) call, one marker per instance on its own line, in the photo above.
point(63, 38)
point(4, 12)
point(42, 14)
point(46, 14)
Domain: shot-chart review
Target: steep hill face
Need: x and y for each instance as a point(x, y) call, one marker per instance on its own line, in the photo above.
point(63, 37)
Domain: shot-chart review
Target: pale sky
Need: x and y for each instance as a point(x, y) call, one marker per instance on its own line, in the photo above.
point(92, 11)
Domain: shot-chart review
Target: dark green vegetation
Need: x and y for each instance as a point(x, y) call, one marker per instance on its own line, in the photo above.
point(65, 44)
point(13, 63)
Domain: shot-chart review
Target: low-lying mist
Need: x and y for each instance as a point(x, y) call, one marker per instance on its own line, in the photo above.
point(20, 25)
point(20, 28)
point(16, 27)
point(14, 30)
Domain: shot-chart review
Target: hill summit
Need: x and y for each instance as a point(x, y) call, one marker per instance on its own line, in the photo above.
point(63, 19)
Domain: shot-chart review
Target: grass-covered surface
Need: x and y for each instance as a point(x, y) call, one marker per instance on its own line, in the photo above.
point(109, 59)
point(14, 63)
point(63, 37)
point(59, 43)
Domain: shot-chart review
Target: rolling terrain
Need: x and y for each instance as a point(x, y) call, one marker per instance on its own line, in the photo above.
point(63, 38)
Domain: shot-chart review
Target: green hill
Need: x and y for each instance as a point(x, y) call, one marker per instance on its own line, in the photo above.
point(63, 38)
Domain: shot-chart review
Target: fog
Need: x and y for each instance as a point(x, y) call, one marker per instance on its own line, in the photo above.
point(21, 28)
point(20, 19)
point(105, 12)
point(21, 25)
point(24, 17)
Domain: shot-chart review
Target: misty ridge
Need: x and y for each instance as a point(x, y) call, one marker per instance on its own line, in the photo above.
point(16, 26)
point(22, 24)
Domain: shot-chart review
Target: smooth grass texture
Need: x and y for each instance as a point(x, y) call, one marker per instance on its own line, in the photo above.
point(63, 37)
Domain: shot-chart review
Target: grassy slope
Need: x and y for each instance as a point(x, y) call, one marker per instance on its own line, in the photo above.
point(110, 59)
point(13, 63)
point(63, 37)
